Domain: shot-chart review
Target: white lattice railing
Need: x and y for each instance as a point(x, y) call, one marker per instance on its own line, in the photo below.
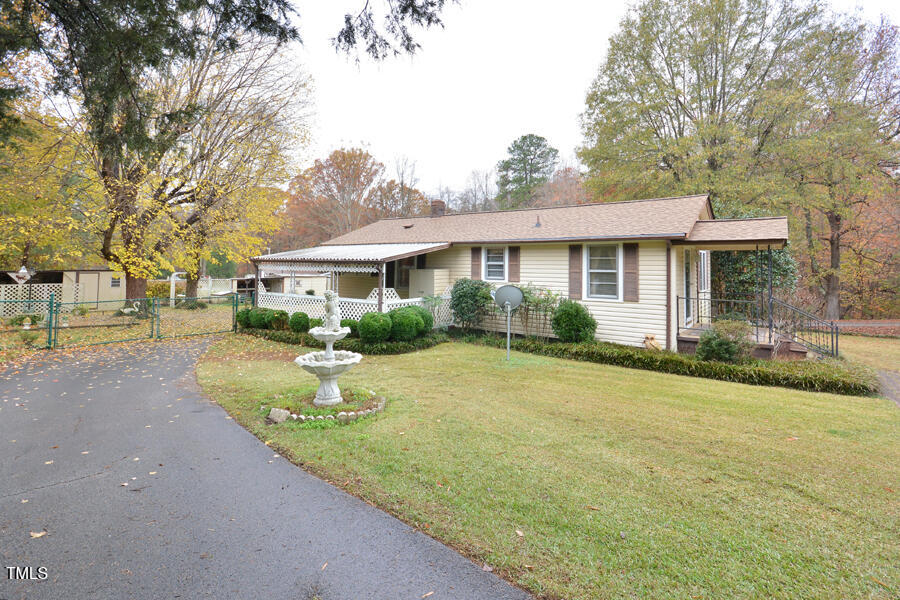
point(352, 308)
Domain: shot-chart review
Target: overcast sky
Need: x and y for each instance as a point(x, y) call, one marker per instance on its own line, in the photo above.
point(499, 69)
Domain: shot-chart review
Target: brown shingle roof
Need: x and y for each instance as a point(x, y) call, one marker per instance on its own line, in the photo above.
point(736, 230)
point(661, 218)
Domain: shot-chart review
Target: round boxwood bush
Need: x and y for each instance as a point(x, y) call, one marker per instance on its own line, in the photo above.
point(258, 318)
point(243, 317)
point(427, 318)
point(405, 324)
point(299, 322)
point(353, 324)
point(316, 323)
point(277, 319)
point(374, 327)
point(572, 322)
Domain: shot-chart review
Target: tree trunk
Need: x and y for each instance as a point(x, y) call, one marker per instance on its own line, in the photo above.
point(135, 287)
point(833, 279)
point(190, 286)
point(815, 286)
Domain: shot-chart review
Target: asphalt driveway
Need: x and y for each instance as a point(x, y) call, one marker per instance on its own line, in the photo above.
point(122, 481)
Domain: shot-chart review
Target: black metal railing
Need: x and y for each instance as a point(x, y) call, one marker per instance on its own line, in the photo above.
point(771, 320)
point(804, 327)
point(698, 313)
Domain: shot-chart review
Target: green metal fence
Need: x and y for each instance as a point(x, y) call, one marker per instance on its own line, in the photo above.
point(26, 323)
point(51, 324)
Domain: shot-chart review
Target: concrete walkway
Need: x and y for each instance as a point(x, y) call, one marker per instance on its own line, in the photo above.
point(890, 385)
point(208, 511)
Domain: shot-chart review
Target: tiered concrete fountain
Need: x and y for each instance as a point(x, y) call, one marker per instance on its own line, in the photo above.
point(330, 364)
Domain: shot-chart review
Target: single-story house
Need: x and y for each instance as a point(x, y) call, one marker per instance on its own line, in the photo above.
point(641, 267)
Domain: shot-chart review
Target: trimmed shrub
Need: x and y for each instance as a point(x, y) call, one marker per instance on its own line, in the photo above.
point(277, 319)
point(353, 324)
point(243, 317)
point(258, 317)
point(299, 322)
point(470, 300)
point(354, 344)
point(572, 322)
point(426, 316)
point(405, 324)
point(374, 327)
point(812, 376)
point(316, 323)
point(160, 289)
point(726, 340)
point(310, 292)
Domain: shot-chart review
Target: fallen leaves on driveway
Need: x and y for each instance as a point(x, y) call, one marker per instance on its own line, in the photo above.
point(38, 534)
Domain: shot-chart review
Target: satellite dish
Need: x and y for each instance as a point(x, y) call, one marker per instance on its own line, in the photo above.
point(508, 297)
point(510, 294)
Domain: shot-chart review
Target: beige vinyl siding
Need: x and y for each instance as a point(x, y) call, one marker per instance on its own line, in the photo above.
point(356, 285)
point(456, 259)
point(547, 266)
point(628, 322)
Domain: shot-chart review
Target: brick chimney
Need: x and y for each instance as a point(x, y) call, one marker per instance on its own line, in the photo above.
point(437, 208)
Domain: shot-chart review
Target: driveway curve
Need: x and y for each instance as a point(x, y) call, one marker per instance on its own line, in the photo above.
point(122, 480)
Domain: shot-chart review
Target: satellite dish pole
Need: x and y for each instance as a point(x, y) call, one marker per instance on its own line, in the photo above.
point(506, 304)
point(509, 297)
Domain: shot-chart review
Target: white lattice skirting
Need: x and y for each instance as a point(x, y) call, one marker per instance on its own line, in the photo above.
point(352, 308)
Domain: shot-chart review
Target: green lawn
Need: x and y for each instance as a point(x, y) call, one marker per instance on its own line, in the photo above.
point(878, 353)
point(623, 483)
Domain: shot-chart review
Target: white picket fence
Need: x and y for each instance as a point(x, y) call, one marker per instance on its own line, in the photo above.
point(353, 308)
point(33, 298)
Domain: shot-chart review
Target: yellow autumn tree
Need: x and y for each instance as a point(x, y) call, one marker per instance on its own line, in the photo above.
point(226, 124)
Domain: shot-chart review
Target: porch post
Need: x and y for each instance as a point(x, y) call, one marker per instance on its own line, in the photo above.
point(255, 291)
point(771, 303)
point(381, 287)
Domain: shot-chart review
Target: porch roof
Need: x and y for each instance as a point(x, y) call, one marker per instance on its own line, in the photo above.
point(343, 258)
point(739, 234)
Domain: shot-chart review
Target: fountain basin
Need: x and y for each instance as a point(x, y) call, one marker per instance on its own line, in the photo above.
point(328, 369)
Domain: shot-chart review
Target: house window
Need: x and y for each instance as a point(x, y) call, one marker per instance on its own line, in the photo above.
point(115, 282)
point(703, 271)
point(495, 264)
point(603, 271)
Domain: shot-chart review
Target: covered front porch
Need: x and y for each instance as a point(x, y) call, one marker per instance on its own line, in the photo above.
point(777, 328)
point(367, 278)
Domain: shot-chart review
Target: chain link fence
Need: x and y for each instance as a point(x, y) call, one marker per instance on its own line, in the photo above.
point(52, 324)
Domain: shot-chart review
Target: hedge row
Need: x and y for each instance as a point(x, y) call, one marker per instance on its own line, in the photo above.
point(352, 344)
point(812, 376)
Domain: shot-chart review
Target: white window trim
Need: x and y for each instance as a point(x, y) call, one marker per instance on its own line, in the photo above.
point(484, 272)
point(586, 274)
point(703, 273)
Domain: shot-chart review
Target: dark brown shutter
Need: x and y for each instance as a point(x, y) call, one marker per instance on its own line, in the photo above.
point(575, 263)
point(476, 262)
point(512, 266)
point(420, 261)
point(630, 272)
